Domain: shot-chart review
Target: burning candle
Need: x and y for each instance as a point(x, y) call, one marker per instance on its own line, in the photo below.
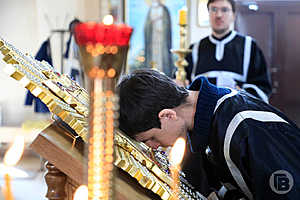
point(176, 156)
point(107, 33)
point(183, 16)
point(108, 20)
point(7, 187)
point(81, 193)
point(11, 158)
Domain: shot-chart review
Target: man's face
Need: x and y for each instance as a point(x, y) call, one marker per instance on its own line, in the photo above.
point(220, 16)
point(165, 136)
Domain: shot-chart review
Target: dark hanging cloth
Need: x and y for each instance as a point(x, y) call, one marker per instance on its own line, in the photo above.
point(72, 65)
point(66, 55)
point(44, 53)
point(71, 29)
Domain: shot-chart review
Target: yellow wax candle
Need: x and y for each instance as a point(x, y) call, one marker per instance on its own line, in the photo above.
point(11, 157)
point(7, 189)
point(176, 182)
point(182, 16)
point(176, 156)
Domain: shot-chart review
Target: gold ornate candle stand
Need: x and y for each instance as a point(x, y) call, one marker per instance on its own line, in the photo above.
point(181, 63)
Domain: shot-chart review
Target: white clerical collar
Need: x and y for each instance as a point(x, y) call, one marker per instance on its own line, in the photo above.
point(220, 44)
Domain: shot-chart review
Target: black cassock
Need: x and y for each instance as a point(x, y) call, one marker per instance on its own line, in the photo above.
point(229, 61)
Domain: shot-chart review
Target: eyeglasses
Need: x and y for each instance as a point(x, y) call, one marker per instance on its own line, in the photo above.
point(224, 10)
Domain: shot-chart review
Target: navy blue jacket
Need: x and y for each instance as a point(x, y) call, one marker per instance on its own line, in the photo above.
point(251, 145)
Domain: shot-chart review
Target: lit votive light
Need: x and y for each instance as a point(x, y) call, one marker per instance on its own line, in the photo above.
point(11, 158)
point(108, 20)
point(81, 193)
point(176, 156)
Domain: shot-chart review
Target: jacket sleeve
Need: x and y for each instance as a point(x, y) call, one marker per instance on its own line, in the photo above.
point(258, 77)
point(264, 157)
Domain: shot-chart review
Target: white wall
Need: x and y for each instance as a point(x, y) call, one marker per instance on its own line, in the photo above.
point(195, 31)
point(17, 23)
point(25, 25)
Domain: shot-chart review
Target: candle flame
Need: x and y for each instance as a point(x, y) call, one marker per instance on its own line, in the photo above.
point(15, 152)
point(81, 193)
point(177, 151)
point(108, 20)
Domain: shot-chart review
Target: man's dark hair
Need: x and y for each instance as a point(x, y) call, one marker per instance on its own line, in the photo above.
point(232, 2)
point(143, 94)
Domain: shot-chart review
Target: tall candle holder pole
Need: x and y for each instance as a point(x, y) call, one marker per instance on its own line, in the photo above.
point(181, 63)
point(103, 49)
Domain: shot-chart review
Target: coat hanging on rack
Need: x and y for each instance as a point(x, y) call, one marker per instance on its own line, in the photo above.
point(72, 64)
point(44, 53)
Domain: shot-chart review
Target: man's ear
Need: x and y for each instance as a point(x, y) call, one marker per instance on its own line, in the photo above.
point(167, 114)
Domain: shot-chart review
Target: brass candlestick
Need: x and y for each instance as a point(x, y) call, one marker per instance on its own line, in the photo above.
point(181, 63)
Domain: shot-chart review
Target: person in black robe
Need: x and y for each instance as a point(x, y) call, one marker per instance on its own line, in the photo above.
point(228, 58)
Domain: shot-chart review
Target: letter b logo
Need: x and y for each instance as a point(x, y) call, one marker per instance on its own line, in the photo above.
point(281, 182)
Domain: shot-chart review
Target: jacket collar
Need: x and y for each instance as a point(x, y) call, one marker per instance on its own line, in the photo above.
point(220, 44)
point(209, 94)
point(222, 38)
